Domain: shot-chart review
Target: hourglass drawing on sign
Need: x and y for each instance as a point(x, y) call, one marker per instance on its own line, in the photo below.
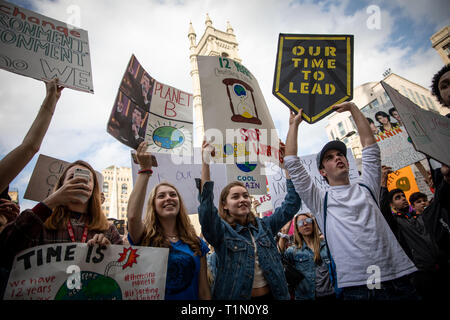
point(242, 101)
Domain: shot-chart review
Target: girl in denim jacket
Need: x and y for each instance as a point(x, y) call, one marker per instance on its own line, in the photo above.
point(309, 256)
point(248, 262)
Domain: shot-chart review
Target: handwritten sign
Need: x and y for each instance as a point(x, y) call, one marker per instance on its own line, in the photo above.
point(313, 72)
point(181, 172)
point(147, 110)
point(76, 271)
point(45, 176)
point(236, 118)
point(40, 47)
point(403, 179)
point(429, 132)
point(249, 175)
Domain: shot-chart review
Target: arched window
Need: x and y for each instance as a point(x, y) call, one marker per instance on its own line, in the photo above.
point(224, 54)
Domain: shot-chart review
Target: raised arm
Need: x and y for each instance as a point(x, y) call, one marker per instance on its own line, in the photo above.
point(137, 196)
point(362, 125)
point(208, 151)
point(17, 159)
point(292, 136)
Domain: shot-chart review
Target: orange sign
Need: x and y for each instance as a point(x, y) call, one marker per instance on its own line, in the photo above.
point(403, 179)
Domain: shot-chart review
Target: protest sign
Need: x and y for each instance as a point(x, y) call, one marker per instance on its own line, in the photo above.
point(43, 48)
point(429, 131)
point(147, 110)
point(76, 271)
point(249, 175)
point(396, 148)
point(276, 179)
point(403, 179)
point(236, 119)
point(313, 72)
point(181, 172)
point(45, 176)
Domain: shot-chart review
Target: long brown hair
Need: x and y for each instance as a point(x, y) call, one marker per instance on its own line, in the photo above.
point(96, 218)
point(298, 237)
point(153, 231)
point(224, 214)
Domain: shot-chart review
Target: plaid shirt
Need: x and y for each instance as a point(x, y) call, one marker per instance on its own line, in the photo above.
point(28, 231)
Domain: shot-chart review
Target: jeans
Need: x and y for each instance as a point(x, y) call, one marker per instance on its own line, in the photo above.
point(397, 289)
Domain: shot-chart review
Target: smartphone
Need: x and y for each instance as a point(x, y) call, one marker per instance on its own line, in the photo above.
point(85, 174)
point(154, 161)
point(82, 173)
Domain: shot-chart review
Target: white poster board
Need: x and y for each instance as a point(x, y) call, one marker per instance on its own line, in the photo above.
point(76, 271)
point(429, 131)
point(43, 48)
point(181, 172)
point(236, 119)
point(249, 175)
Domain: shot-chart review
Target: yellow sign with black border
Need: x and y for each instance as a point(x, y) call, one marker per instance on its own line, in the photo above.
point(313, 72)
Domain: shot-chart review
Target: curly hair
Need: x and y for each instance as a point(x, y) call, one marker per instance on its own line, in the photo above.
point(435, 83)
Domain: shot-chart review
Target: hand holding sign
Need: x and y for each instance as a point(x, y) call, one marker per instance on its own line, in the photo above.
point(99, 239)
point(144, 159)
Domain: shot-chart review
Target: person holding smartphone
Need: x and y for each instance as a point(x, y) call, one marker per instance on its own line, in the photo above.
point(72, 213)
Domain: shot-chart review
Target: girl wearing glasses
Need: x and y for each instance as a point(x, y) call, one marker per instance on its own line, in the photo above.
point(309, 256)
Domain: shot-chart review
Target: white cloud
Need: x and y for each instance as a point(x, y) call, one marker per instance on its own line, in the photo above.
point(156, 32)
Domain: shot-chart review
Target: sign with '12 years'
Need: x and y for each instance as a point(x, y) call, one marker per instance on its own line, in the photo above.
point(314, 72)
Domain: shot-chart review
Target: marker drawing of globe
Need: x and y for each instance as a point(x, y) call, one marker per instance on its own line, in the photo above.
point(246, 167)
point(239, 90)
point(94, 286)
point(168, 137)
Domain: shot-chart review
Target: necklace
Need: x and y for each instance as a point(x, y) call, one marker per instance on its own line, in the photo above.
point(172, 237)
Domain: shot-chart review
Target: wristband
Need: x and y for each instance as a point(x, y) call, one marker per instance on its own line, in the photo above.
point(150, 171)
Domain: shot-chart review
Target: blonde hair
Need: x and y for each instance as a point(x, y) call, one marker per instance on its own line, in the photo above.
point(60, 215)
point(153, 231)
point(298, 237)
point(224, 214)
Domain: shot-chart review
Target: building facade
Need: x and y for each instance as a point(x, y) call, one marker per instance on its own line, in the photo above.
point(212, 43)
point(117, 187)
point(440, 41)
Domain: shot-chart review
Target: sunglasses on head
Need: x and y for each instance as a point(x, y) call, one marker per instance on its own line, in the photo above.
point(301, 223)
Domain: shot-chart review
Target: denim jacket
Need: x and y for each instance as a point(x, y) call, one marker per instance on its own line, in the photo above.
point(235, 251)
point(303, 260)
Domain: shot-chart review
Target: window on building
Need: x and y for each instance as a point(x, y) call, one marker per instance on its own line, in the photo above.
point(224, 54)
point(105, 187)
point(405, 93)
point(426, 102)
point(374, 104)
point(123, 208)
point(411, 96)
point(433, 106)
point(419, 98)
point(341, 129)
point(332, 135)
point(124, 188)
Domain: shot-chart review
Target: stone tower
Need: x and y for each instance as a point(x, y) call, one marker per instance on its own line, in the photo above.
point(212, 43)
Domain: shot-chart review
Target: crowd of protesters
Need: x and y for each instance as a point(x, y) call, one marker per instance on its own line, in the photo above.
point(354, 230)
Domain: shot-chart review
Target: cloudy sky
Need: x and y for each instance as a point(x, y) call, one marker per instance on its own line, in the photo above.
point(156, 32)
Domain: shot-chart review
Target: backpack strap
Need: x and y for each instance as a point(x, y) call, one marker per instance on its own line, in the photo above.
point(332, 264)
point(371, 193)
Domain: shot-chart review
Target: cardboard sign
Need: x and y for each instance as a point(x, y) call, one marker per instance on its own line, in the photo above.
point(249, 175)
point(181, 172)
point(236, 119)
point(313, 72)
point(403, 179)
point(277, 179)
point(45, 176)
point(43, 48)
point(147, 110)
point(75, 271)
point(429, 131)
